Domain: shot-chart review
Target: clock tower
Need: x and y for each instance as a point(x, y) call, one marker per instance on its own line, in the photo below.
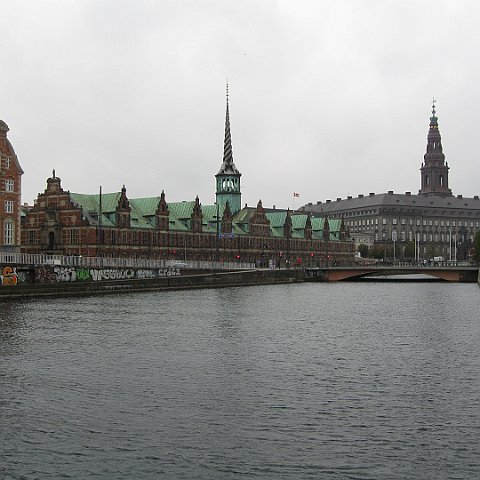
point(228, 177)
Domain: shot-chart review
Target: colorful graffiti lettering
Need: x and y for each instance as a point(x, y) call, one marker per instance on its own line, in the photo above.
point(65, 274)
point(9, 276)
point(84, 274)
point(111, 274)
point(146, 274)
point(73, 274)
point(44, 275)
point(169, 272)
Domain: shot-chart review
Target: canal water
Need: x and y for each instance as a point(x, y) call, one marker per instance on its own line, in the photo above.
point(314, 381)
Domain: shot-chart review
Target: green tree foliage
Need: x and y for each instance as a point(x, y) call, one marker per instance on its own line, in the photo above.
point(409, 250)
point(432, 251)
point(363, 250)
point(476, 247)
point(377, 252)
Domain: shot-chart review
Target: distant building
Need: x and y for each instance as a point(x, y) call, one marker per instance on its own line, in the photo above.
point(10, 193)
point(113, 225)
point(432, 223)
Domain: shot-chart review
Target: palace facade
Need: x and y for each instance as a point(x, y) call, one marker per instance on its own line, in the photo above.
point(113, 225)
point(10, 194)
point(432, 223)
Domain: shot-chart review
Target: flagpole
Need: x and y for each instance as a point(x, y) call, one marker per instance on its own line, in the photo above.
point(295, 194)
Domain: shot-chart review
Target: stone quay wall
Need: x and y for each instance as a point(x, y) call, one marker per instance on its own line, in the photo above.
point(20, 281)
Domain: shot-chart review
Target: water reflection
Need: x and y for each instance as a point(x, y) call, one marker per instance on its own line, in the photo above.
point(296, 381)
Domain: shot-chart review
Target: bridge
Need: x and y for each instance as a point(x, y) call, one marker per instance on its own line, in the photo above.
point(452, 273)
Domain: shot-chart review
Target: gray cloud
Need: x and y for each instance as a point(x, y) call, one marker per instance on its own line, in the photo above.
point(327, 98)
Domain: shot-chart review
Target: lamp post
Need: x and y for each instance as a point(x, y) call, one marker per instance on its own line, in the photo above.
point(218, 231)
point(417, 243)
point(384, 245)
point(455, 244)
point(450, 244)
point(394, 239)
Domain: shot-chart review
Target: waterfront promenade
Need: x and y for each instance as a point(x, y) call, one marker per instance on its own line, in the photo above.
point(38, 275)
point(28, 259)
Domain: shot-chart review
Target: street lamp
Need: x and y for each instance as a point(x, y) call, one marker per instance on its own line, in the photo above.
point(394, 239)
point(455, 244)
point(450, 243)
point(218, 231)
point(417, 243)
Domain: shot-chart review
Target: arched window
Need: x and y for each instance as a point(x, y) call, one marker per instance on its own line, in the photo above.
point(441, 180)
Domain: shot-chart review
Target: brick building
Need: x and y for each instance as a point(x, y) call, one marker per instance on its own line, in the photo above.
point(10, 193)
point(113, 225)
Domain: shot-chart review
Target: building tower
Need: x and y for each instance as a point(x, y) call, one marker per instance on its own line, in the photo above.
point(228, 177)
point(434, 170)
point(10, 192)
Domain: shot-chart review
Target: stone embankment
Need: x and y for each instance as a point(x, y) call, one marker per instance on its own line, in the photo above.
point(116, 281)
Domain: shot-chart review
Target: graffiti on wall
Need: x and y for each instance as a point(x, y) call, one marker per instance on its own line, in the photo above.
point(71, 274)
point(44, 275)
point(9, 276)
point(76, 274)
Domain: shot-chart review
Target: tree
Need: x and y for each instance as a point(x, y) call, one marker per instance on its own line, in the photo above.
point(409, 250)
point(363, 250)
point(476, 247)
point(431, 251)
point(377, 252)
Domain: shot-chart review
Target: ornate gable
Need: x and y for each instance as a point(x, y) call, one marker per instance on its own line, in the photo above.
point(308, 228)
point(227, 219)
point(197, 216)
point(123, 210)
point(162, 213)
point(259, 224)
point(287, 226)
point(326, 229)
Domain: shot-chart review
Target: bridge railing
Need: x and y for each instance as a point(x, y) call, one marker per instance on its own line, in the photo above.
point(399, 265)
point(106, 262)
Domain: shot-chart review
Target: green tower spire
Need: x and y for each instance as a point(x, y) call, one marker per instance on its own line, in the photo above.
point(228, 177)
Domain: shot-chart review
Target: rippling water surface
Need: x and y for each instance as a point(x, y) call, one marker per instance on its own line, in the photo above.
point(324, 381)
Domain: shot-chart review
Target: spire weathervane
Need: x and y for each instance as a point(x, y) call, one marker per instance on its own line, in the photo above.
point(433, 105)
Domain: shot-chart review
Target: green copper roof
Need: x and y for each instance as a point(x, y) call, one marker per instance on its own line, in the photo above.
point(182, 210)
point(148, 205)
point(90, 206)
point(143, 212)
point(92, 202)
point(276, 219)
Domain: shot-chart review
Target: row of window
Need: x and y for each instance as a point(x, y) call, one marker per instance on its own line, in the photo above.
point(425, 237)
point(418, 222)
point(137, 238)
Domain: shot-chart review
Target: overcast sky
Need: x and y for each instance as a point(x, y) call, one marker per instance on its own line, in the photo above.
point(327, 98)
